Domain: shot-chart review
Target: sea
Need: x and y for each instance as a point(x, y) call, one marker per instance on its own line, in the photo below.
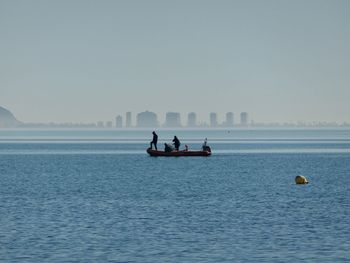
point(70, 195)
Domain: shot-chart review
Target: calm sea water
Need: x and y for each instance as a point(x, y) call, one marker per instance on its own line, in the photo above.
point(95, 196)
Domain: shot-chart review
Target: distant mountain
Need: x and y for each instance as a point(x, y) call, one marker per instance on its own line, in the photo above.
point(7, 119)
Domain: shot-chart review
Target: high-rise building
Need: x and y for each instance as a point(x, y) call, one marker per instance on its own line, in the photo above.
point(172, 119)
point(100, 124)
point(244, 118)
point(109, 124)
point(128, 119)
point(213, 119)
point(119, 121)
point(192, 119)
point(229, 119)
point(147, 119)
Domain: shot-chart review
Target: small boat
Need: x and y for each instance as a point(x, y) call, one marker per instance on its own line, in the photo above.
point(204, 152)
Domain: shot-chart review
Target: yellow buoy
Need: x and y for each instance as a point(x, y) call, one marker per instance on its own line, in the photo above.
point(300, 179)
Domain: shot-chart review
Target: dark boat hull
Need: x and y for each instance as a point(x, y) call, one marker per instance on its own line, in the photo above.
point(178, 153)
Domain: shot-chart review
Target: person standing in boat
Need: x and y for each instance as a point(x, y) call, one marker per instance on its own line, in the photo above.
point(177, 143)
point(154, 141)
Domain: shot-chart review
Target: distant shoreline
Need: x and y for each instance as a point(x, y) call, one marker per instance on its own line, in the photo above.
point(183, 128)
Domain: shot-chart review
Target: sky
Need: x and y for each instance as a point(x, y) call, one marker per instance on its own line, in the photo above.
point(85, 61)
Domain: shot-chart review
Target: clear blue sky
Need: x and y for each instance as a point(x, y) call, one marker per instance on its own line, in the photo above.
point(72, 60)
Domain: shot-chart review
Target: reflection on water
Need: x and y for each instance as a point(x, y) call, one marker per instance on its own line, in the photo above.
point(167, 134)
point(69, 151)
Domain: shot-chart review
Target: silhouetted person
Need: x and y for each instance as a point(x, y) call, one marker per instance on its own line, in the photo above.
point(168, 148)
point(155, 140)
point(176, 143)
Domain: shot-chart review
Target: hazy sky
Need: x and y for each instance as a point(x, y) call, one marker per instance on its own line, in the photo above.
point(72, 60)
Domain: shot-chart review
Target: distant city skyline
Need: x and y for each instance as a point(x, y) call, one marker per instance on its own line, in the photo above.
point(148, 119)
point(83, 61)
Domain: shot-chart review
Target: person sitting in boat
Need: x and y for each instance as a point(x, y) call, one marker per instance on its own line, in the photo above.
point(168, 148)
point(205, 142)
point(177, 143)
point(205, 147)
point(154, 141)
